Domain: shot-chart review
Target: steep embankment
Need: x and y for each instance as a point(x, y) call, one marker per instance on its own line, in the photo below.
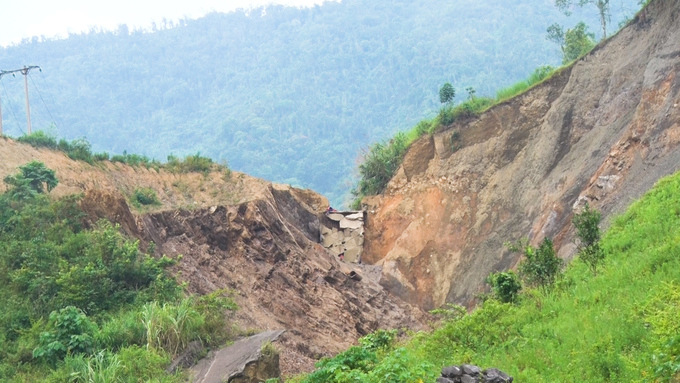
point(601, 131)
point(235, 232)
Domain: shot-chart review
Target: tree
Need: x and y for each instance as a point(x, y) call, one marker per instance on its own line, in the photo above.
point(540, 266)
point(471, 92)
point(588, 232)
point(602, 8)
point(574, 43)
point(505, 285)
point(446, 93)
point(31, 180)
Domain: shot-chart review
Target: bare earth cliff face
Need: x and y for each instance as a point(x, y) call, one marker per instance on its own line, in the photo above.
point(603, 131)
point(235, 232)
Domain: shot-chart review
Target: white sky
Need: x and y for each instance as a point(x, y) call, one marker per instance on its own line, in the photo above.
point(24, 19)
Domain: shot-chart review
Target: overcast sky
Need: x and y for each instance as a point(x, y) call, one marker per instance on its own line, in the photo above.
point(21, 19)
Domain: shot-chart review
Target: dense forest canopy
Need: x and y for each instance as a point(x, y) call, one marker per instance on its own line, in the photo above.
point(288, 94)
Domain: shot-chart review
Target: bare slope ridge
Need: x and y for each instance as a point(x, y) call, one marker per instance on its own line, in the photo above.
point(254, 238)
point(603, 131)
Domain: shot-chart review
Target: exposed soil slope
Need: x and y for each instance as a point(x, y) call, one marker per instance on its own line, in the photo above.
point(266, 251)
point(252, 237)
point(603, 131)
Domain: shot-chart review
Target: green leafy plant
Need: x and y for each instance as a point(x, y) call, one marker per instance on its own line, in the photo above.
point(574, 42)
point(588, 233)
point(145, 196)
point(378, 340)
point(34, 177)
point(381, 162)
point(446, 93)
point(450, 312)
point(192, 163)
point(505, 285)
point(69, 332)
point(39, 139)
point(540, 266)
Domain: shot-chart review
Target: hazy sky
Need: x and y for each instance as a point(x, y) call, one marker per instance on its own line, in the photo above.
point(20, 19)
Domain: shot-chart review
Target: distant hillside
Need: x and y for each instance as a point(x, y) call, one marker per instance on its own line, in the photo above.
point(291, 95)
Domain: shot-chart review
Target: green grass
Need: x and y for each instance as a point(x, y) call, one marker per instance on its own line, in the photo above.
point(619, 325)
point(81, 150)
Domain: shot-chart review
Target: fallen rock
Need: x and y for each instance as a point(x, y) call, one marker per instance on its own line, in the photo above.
point(242, 362)
point(468, 373)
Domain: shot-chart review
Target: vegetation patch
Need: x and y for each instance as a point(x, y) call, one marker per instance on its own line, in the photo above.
point(192, 163)
point(617, 325)
point(145, 197)
point(81, 150)
point(87, 305)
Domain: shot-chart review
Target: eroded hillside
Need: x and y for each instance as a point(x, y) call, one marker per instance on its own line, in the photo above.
point(256, 239)
point(602, 131)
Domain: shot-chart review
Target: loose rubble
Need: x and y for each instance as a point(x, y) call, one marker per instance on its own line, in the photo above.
point(468, 373)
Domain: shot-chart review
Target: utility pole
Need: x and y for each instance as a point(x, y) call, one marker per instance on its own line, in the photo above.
point(25, 71)
point(2, 73)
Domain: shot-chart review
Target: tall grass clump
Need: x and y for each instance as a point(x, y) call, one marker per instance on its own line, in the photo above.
point(191, 163)
point(380, 163)
point(540, 74)
point(136, 160)
point(79, 149)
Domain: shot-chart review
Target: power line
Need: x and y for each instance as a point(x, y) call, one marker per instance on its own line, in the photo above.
point(43, 101)
point(42, 76)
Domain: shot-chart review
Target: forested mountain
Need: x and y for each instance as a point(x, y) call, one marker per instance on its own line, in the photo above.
point(291, 95)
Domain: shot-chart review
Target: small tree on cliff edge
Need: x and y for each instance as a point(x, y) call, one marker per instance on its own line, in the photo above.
point(602, 9)
point(574, 43)
point(447, 93)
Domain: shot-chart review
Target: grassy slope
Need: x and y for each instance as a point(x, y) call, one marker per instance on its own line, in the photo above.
point(619, 325)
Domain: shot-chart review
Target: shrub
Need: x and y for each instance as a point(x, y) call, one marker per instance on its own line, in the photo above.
point(69, 332)
point(378, 340)
point(195, 163)
point(135, 160)
point(450, 312)
point(79, 149)
point(214, 308)
point(505, 286)
point(380, 164)
point(540, 266)
point(145, 196)
point(103, 156)
point(33, 178)
point(588, 232)
point(574, 42)
point(39, 139)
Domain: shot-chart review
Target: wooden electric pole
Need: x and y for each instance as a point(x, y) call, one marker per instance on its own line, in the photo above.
point(25, 71)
